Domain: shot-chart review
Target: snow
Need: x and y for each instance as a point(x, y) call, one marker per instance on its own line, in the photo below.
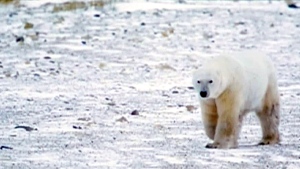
point(126, 65)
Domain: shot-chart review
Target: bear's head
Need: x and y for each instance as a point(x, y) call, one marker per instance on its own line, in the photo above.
point(208, 83)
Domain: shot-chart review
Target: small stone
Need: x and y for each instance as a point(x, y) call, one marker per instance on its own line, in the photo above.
point(12, 14)
point(122, 119)
point(77, 127)
point(165, 67)
point(240, 23)
point(20, 39)
point(180, 105)
point(27, 128)
point(143, 24)
point(84, 119)
point(244, 32)
point(111, 104)
point(134, 112)
point(190, 108)
point(293, 6)
point(159, 126)
point(191, 87)
point(28, 25)
point(47, 57)
point(83, 42)
point(175, 92)
point(5, 147)
point(97, 15)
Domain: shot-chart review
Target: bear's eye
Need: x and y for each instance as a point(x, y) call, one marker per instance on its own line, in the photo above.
point(198, 81)
point(210, 81)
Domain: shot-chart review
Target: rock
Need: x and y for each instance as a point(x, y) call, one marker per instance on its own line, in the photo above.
point(134, 112)
point(244, 32)
point(180, 105)
point(159, 126)
point(47, 57)
point(190, 108)
point(111, 104)
point(13, 14)
point(165, 67)
point(5, 147)
point(84, 119)
point(191, 87)
point(122, 119)
point(294, 6)
point(240, 23)
point(97, 15)
point(175, 92)
point(20, 39)
point(27, 128)
point(28, 25)
point(77, 127)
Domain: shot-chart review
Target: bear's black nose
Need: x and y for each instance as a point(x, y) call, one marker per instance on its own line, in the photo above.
point(203, 94)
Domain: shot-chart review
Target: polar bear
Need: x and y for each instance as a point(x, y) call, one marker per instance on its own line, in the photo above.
point(230, 86)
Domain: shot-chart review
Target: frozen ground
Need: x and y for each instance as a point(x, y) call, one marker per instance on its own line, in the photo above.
point(78, 81)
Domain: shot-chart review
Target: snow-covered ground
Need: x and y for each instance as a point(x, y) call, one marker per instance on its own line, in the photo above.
point(81, 77)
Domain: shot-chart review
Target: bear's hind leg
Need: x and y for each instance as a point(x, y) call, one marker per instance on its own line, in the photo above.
point(269, 117)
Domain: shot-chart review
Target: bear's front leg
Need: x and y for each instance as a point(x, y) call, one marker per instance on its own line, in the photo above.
point(226, 133)
point(209, 117)
point(227, 130)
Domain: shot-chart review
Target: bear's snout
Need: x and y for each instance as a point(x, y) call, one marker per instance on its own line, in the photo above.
point(203, 94)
